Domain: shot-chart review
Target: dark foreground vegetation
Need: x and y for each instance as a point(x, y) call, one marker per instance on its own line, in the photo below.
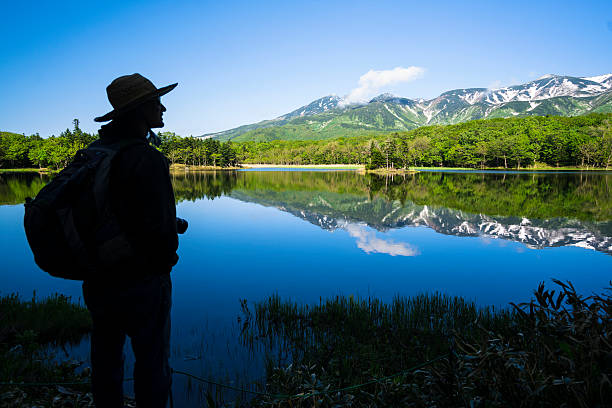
point(28, 331)
point(535, 141)
point(555, 351)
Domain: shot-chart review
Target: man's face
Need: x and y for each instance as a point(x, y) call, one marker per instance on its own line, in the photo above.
point(153, 112)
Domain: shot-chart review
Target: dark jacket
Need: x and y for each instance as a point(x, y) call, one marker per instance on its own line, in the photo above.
point(142, 198)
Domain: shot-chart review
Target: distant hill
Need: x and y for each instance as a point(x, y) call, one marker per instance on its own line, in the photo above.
point(331, 117)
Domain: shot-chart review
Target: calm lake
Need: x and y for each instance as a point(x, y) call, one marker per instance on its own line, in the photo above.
point(488, 236)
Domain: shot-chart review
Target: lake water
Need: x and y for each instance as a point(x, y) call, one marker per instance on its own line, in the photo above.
point(488, 236)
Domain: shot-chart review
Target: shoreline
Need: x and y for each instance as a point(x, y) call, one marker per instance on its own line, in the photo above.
point(533, 168)
point(409, 170)
point(43, 170)
point(359, 167)
point(182, 167)
point(304, 166)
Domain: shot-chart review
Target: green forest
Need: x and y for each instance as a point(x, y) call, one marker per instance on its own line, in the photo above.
point(535, 141)
point(584, 141)
point(19, 151)
point(197, 152)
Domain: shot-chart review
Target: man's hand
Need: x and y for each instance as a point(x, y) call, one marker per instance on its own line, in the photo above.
point(181, 225)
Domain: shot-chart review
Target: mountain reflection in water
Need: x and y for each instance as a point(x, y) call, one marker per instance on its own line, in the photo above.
point(537, 209)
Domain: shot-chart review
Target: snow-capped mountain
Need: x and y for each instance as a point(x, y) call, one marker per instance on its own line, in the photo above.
point(321, 105)
point(547, 95)
point(546, 87)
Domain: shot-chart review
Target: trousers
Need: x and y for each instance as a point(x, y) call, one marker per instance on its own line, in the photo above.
point(142, 312)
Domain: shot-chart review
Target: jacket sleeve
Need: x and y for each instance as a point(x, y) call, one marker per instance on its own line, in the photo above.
point(145, 208)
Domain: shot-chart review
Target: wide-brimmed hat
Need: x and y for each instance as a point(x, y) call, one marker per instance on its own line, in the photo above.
point(129, 91)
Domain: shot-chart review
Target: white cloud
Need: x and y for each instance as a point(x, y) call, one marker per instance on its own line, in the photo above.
point(368, 242)
point(497, 84)
point(372, 81)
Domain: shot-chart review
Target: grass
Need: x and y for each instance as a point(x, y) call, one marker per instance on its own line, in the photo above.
point(358, 338)
point(553, 351)
point(55, 320)
point(27, 329)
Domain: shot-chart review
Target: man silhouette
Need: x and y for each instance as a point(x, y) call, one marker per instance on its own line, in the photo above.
point(133, 297)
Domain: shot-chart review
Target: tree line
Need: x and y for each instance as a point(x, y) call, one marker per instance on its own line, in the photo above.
point(21, 151)
point(584, 141)
point(55, 152)
point(197, 151)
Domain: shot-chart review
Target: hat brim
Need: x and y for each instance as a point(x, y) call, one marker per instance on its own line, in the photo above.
point(137, 102)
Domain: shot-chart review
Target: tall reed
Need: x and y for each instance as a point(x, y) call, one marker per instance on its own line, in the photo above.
point(553, 351)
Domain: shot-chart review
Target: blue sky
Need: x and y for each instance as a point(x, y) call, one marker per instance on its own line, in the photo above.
point(240, 62)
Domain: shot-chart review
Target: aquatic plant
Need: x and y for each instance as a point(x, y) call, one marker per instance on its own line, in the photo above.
point(55, 319)
point(347, 340)
point(553, 351)
point(27, 330)
point(559, 355)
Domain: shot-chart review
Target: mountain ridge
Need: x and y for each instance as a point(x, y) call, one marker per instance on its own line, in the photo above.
point(330, 116)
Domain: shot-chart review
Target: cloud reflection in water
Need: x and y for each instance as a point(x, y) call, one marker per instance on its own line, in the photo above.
point(370, 243)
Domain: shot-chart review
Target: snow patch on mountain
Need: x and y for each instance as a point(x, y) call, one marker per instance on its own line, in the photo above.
point(428, 112)
point(320, 105)
point(547, 87)
point(532, 106)
point(605, 79)
point(474, 97)
point(393, 113)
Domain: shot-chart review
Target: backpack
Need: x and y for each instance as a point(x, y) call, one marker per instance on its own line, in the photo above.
point(70, 227)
